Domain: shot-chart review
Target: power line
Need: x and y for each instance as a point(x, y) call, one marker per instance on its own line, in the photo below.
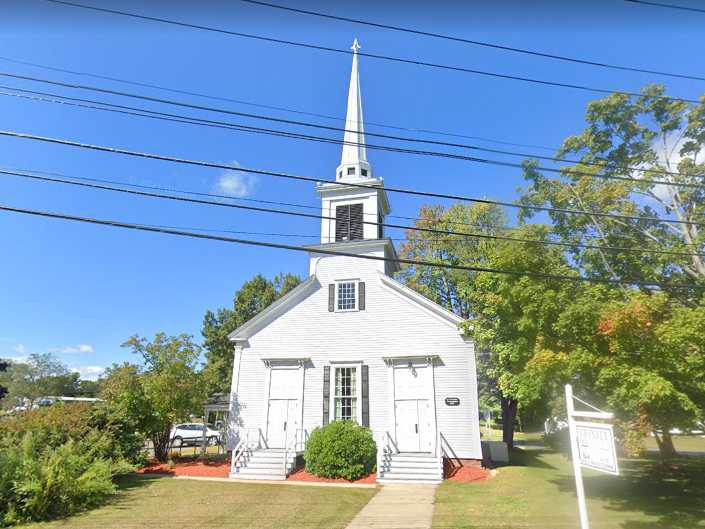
point(431, 194)
point(271, 107)
point(319, 47)
point(475, 42)
point(669, 6)
point(280, 203)
point(251, 128)
point(325, 251)
point(101, 184)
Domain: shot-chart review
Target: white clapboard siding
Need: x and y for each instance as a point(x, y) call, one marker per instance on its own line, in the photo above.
point(393, 324)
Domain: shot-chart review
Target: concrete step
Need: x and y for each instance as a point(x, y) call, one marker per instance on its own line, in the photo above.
point(436, 471)
point(395, 480)
point(258, 470)
point(261, 477)
point(413, 457)
point(263, 464)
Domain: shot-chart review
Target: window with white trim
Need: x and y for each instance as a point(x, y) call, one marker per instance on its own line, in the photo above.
point(346, 296)
point(345, 394)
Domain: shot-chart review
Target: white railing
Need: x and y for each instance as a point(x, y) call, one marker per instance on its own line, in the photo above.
point(384, 452)
point(237, 455)
point(301, 439)
point(296, 445)
point(249, 439)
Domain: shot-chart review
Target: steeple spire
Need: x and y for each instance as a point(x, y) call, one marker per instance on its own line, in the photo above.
point(353, 162)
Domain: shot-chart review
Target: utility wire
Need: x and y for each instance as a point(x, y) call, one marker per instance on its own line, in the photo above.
point(216, 165)
point(319, 249)
point(319, 47)
point(474, 42)
point(272, 107)
point(101, 184)
point(290, 204)
point(301, 136)
point(669, 6)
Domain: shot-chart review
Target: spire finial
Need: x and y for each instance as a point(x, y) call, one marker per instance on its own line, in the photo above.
point(353, 162)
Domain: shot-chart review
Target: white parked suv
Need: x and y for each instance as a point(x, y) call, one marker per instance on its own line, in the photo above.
point(192, 434)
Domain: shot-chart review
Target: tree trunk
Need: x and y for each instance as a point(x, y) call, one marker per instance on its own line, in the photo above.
point(509, 413)
point(162, 442)
point(665, 445)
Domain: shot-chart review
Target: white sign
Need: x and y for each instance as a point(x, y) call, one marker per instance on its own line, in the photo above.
point(596, 449)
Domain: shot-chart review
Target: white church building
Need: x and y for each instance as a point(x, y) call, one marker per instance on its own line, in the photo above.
point(351, 343)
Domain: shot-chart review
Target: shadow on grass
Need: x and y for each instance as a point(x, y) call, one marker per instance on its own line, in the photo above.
point(520, 457)
point(673, 493)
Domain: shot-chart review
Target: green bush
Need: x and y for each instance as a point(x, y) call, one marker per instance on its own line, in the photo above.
point(99, 432)
point(61, 459)
point(342, 449)
point(37, 483)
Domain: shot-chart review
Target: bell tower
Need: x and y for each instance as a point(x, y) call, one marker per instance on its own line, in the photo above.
point(353, 213)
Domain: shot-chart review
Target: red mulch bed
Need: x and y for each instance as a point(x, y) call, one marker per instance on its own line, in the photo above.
point(207, 469)
point(301, 475)
point(468, 474)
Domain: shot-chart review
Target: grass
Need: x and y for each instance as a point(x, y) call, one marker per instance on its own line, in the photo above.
point(538, 491)
point(685, 443)
point(495, 434)
point(151, 502)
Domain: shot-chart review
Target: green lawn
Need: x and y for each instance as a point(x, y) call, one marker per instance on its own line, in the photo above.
point(686, 443)
point(156, 502)
point(538, 492)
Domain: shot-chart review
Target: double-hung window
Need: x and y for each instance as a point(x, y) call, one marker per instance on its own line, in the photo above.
point(346, 295)
point(345, 395)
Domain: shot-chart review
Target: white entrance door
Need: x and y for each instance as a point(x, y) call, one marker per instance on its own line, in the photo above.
point(282, 422)
point(283, 413)
point(413, 425)
point(412, 408)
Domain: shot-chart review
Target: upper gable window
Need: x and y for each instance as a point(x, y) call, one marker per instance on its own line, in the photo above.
point(348, 222)
point(346, 296)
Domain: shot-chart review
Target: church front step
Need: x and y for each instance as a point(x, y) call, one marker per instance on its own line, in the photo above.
point(263, 465)
point(411, 468)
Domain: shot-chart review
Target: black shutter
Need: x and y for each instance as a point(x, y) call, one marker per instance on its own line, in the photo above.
point(342, 223)
point(366, 396)
point(326, 394)
point(380, 227)
point(356, 223)
point(361, 295)
point(331, 297)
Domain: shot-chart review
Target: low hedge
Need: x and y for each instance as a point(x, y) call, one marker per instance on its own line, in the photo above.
point(341, 449)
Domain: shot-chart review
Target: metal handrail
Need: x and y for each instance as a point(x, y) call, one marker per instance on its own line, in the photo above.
point(237, 454)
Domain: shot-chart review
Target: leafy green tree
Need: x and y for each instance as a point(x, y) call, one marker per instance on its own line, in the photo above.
point(165, 390)
point(645, 374)
point(640, 138)
point(41, 375)
point(509, 316)
point(513, 319)
point(254, 296)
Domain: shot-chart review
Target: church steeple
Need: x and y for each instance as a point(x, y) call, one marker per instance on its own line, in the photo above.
point(353, 162)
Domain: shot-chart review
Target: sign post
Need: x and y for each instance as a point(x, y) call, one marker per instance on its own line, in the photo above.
point(591, 445)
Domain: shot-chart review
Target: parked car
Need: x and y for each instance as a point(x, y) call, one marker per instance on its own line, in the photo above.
point(191, 434)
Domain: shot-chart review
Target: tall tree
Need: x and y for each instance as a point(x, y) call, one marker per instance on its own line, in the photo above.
point(508, 315)
point(254, 296)
point(644, 138)
point(167, 389)
point(41, 375)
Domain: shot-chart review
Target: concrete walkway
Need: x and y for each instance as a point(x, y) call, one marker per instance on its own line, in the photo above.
point(398, 507)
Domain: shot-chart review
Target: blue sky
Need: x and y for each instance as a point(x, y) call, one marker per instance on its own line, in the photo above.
point(81, 290)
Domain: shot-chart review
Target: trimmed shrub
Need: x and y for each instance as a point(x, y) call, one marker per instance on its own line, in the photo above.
point(342, 449)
